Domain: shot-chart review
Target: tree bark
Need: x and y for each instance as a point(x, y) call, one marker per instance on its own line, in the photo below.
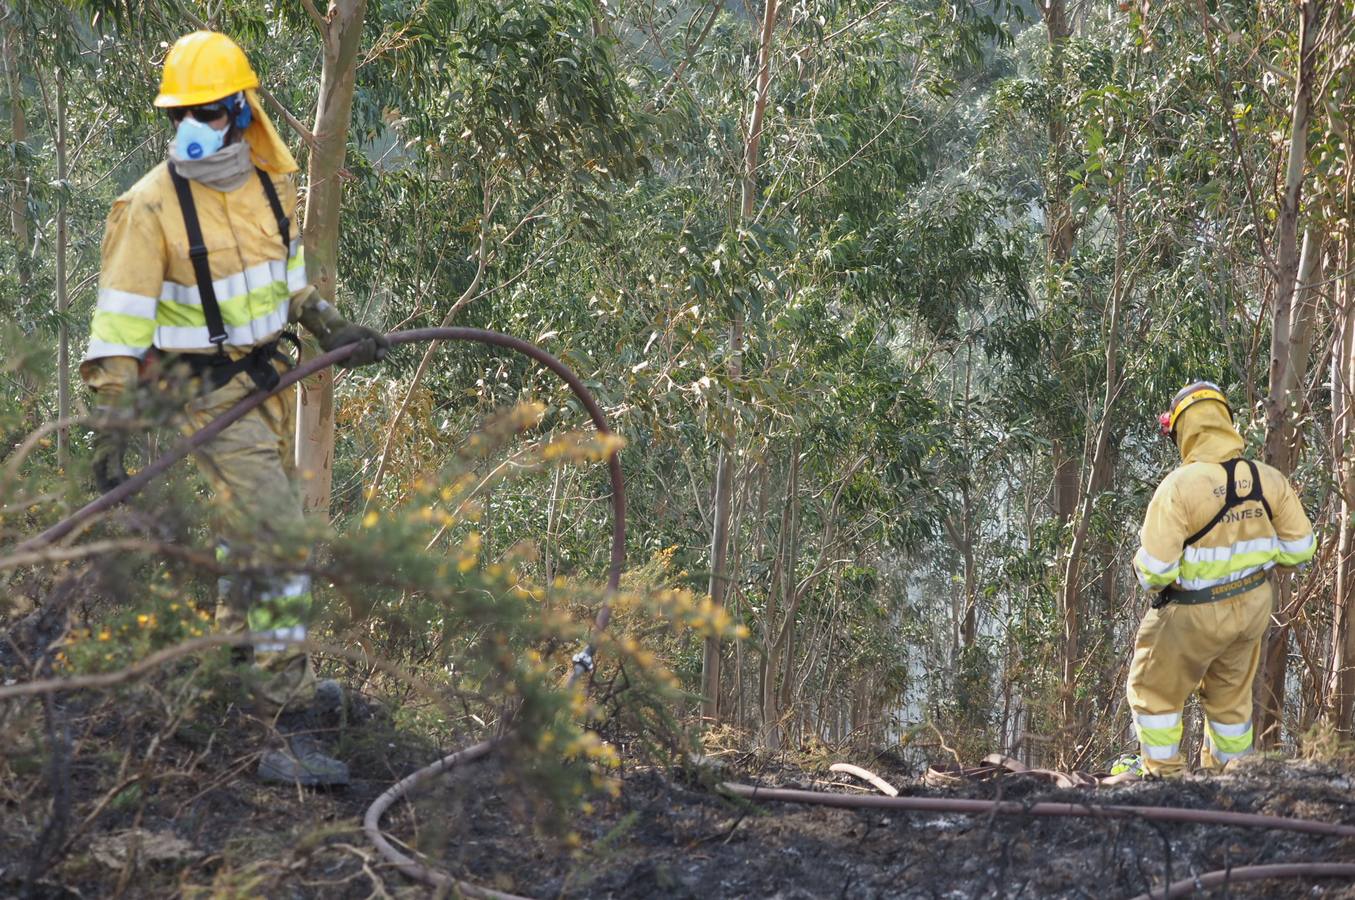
point(777, 599)
point(63, 347)
point(1341, 681)
point(1061, 232)
point(1284, 377)
point(1298, 326)
point(1284, 374)
point(1070, 593)
point(18, 204)
point(724, 468)
point(341, 34)
point(1061, 228)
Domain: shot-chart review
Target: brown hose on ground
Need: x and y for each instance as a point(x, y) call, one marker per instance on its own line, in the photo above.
point(407, 865)
point(1012, 807)
point(1187, 886)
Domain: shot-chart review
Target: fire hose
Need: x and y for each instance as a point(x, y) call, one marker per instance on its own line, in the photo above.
point(583, 663)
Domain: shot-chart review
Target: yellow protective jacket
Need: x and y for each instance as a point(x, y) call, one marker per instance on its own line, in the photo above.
point(148, 292)
point(1247, 540)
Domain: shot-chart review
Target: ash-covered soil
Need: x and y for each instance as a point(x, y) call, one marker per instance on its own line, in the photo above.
point(168, 809)
point(673, 837)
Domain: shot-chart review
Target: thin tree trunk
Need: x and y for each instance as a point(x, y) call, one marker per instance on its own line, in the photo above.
point(1061, 232)
point(1342, 677)
point(1061, 226)
point(341, 34)
point(791, 585)
point(1070, 593)
point(18, 204)
point(759, 551)
point(63, 347)
point(1281, 451)
point(719, 544)
point(776, 593)
point(737, 551)
point(1284, 379)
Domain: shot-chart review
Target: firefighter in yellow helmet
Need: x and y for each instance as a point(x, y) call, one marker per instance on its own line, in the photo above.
point(202, 272)
point(1214, 528)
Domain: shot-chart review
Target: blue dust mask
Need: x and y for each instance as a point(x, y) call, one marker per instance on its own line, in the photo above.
point(194, 140)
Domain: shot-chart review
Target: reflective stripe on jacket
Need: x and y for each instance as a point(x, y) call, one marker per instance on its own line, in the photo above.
point(1245, 541)
point(148, 293)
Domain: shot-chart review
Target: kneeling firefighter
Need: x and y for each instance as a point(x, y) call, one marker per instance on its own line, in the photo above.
point(1215, 526)
point(202, 270)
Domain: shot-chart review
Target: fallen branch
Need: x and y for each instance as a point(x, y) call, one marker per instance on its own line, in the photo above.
point(884, 786)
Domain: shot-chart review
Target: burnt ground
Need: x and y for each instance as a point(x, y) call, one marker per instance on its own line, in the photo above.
point(204, 828)
point(671, 837)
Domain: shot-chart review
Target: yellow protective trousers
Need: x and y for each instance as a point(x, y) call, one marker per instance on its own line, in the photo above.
point(1213, 647)
point(250, 468)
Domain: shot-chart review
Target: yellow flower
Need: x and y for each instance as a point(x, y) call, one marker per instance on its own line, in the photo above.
point(105, 635)
point(143, 620)
point(370, 519)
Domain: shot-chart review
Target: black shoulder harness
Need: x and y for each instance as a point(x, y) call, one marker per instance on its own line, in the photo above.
point(1232, 499)
point(197, 249)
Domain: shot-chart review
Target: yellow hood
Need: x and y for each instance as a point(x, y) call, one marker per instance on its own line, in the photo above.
point(1205, 433)
point(269, 150)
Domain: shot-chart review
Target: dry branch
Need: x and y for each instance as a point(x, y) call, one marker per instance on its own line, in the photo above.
point(884, 786)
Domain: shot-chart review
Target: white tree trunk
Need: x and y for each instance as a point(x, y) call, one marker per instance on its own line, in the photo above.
point(341, 32)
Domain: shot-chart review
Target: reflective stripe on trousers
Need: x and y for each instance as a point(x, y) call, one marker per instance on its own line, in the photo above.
point(1160, 734)
point(279, 608)
point(1228, 742)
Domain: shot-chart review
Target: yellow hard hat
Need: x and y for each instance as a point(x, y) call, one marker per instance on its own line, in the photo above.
point(1187, 397)
point(202, 67)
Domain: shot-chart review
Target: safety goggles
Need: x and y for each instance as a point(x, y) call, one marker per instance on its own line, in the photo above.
point(208, 112)
point(234, 106)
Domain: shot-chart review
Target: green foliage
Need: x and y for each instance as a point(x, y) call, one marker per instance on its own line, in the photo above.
point(913, 404)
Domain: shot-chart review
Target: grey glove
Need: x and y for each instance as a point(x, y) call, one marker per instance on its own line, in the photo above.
point(333, 330)
point(372, 344)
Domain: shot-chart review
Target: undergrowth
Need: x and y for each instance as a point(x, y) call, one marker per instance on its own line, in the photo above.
point(438, 641)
